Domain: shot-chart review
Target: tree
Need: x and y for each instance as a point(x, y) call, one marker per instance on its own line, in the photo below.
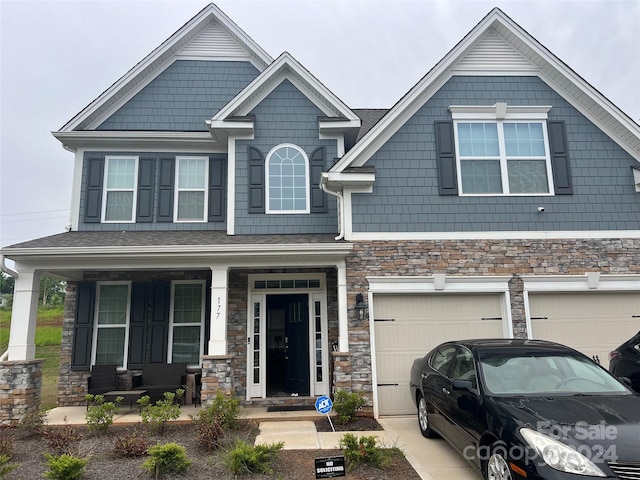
point(6, 283)
point(51, 291)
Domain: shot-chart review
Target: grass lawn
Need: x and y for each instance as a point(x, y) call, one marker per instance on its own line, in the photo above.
point(48, 338)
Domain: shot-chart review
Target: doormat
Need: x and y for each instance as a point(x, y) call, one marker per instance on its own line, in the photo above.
point(290, 408)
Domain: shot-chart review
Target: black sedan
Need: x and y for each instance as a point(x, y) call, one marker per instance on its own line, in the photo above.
point(624, 361)
point(528, 409)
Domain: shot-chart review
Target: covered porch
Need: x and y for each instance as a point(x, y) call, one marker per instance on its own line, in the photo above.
point(240, 277)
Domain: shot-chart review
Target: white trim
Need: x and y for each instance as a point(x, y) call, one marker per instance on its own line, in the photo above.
point(495, 235)
point(253, 390)
point(137, 141)
point(267, 176)
point(499, 111)
point(581, 283)
point(204, 189)
point(76, 189)
point(201, 324)
point(106, 189)
point(231, 186)
point(126, 326)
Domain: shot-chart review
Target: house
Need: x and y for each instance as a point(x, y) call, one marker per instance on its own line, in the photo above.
point(230, 212)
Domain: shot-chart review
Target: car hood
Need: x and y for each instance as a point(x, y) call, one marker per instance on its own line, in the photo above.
point(587, 420)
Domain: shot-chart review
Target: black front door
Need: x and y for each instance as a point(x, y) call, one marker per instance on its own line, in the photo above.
point(288, 345)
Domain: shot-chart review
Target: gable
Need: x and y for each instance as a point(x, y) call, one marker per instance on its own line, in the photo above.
point(492, 53)
point(191, 91)
point(209, 35)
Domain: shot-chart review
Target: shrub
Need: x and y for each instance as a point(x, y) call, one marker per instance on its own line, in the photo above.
point(209, 432)
point(65, 467)
point(245, 458)
point(132, 444)
point(33, 423)
point(363, 450)
point(99, 413)
point(166, 458)
point(6, 442)
point(225, 409)
point(61, 439)
point(5, 467)
point(347, 404)
point(156, 416)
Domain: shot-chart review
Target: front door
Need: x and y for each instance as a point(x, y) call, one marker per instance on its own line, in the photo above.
point(288, 345)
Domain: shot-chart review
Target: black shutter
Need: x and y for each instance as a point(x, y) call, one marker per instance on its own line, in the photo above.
point(165, 190)
point(446, 159)
point(559, 158)
point(138, 324)
point(256, 181)
point(217, 190)
point(93, 205)
point(83, 326)
point(160, 322)
point(146, 181)
point(318, 197)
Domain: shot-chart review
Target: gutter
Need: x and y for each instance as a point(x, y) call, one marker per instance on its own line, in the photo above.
point(340, 198)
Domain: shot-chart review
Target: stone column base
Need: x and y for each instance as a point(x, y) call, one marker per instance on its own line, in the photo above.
point(20, 390)
point(341, 371)
point(217, 375)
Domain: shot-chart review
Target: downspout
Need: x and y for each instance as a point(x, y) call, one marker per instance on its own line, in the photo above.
point(338, 195)
point(14, 274)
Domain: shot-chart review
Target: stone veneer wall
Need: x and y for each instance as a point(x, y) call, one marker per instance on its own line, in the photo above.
point(20, 389)
point(478, 258)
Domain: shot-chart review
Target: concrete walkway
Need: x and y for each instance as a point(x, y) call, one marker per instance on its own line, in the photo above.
point(432, 459)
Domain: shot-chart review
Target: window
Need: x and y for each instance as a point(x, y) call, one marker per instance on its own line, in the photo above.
point(119, 194)
point(287, 180)
point(112, 320)
point(502, 150)
point(187, 322)
point(191, 192)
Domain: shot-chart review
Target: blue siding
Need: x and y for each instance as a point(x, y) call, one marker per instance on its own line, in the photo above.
point(150, 226)
point(405, 195)
point(285, 116)
point(182, 97)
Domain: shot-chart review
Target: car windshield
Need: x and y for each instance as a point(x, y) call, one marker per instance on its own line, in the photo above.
point(555, 374)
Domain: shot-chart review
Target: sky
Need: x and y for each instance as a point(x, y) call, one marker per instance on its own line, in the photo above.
point(56, 57)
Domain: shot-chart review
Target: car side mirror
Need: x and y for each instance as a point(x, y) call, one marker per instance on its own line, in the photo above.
point(626, 381)
point(462, 385)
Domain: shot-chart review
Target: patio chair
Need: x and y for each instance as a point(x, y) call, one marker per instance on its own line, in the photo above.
point(103, 379)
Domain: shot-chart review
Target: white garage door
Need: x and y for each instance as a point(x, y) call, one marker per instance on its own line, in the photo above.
point(409, 326)
point(593, 323)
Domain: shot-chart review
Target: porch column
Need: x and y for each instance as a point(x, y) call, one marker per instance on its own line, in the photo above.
point(219, 293)
point(22, 335)
point(343, 320)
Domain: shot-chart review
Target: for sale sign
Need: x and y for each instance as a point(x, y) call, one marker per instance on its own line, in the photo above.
point(330, 467)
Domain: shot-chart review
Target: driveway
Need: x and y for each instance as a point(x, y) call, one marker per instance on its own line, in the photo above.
point(433, 459)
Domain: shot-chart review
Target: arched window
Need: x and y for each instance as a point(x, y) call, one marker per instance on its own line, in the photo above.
point(287, 180)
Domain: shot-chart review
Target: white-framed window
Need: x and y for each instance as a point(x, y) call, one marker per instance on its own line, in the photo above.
point(502, 150)
point(192, 178)
point(287, 180)
point(186, 333)
point(119, 197)
point(111, 333)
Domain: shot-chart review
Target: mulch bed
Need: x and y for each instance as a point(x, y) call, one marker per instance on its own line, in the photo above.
point(290, 464)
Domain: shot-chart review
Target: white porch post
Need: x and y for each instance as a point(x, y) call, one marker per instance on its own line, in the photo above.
point(219, 293)
point(343, 320)
point(22, 336)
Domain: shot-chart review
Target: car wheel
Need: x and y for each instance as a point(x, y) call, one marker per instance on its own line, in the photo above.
point(496, 468)
point(423, 419)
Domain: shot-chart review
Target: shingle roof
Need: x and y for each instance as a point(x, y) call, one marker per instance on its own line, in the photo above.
point(369, 117)
point(168, 238)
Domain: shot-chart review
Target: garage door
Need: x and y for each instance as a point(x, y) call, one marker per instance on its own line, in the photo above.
point(593, 323)
point(409, 326)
